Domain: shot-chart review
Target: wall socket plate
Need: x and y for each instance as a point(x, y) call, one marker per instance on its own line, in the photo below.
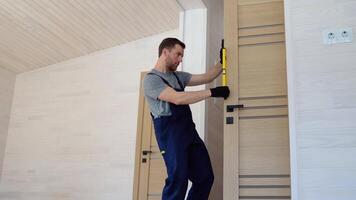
point(334, 36)
point(345, 35)
point(329, 36)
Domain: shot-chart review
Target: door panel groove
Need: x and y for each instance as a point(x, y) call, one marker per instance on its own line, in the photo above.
point(263, 97)
point(246, 107)
point(265, 197)
point(264, 186)
point(259, 35)
point(264, 117)
point(261, 26)
point(262, 43)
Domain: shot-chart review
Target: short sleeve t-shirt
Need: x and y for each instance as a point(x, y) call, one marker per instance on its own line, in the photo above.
point(154, 85)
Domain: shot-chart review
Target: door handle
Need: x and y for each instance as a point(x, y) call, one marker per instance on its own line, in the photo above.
point(230, 108)
point(145, 152)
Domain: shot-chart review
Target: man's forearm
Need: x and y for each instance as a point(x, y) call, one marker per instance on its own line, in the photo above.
point(184, 98)
point(214, 72)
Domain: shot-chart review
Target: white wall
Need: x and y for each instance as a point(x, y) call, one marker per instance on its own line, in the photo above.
point(7, 83)
point(194, 36)
point(72, 130)
point(322, 99)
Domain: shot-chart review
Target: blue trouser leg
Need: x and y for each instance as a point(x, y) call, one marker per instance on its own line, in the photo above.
point(200, 172)
point(186, 156)
point(176, 160)
point(187, 160)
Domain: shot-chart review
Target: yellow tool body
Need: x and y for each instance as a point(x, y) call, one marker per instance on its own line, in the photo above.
point(224, 66)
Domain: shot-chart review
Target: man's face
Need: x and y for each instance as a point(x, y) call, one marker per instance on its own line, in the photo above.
point(174, 57)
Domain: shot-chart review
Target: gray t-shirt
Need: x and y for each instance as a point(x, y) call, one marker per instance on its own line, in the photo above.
point(154, 85)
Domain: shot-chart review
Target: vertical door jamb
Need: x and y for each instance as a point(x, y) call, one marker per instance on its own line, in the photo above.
point(138, 157)
point(231, 164)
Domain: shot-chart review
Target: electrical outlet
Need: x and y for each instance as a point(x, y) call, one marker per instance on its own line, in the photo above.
point(333, 36)
point(344, 35)
point(330, 36)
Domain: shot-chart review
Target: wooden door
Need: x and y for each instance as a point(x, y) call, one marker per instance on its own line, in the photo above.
point(150, 171)
point(256, 136)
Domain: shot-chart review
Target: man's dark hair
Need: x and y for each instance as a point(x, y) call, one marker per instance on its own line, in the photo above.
point(169, 43)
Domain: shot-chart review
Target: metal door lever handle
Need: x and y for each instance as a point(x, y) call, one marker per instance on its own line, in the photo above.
point(145, 152)
point(230, 108)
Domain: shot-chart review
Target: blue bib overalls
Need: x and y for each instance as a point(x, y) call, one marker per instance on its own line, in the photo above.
point(184, 153)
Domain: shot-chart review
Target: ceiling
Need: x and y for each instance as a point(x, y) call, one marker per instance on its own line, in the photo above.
point(38, 33)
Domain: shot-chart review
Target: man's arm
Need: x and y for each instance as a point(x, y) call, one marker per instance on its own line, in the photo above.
point(183, 98)
point(209, 76)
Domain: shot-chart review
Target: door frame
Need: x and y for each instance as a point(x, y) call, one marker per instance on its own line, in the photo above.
point(231, 164)
point(138, 148)
point(291, 99)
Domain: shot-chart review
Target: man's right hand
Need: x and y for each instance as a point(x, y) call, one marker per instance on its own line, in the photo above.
point(221, 91)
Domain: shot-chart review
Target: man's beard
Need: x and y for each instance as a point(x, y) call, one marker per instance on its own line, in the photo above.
point(171, 66)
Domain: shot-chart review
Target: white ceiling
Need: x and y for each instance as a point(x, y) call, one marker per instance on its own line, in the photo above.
point(38, 33)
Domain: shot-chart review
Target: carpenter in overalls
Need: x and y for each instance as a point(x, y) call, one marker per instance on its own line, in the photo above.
point(183, 151)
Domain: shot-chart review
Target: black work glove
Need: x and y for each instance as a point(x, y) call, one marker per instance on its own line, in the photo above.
point(221, 91)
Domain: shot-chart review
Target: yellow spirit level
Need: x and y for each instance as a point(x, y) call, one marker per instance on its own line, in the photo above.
point(224, 76)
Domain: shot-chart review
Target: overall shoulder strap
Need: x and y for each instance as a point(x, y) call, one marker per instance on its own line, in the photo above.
point(164, 80)
point(180, 83)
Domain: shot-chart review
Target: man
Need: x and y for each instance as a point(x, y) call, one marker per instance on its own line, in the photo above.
point(184, 153)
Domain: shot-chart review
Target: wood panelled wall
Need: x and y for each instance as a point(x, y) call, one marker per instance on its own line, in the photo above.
point(322, 97)
point(72, 131)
